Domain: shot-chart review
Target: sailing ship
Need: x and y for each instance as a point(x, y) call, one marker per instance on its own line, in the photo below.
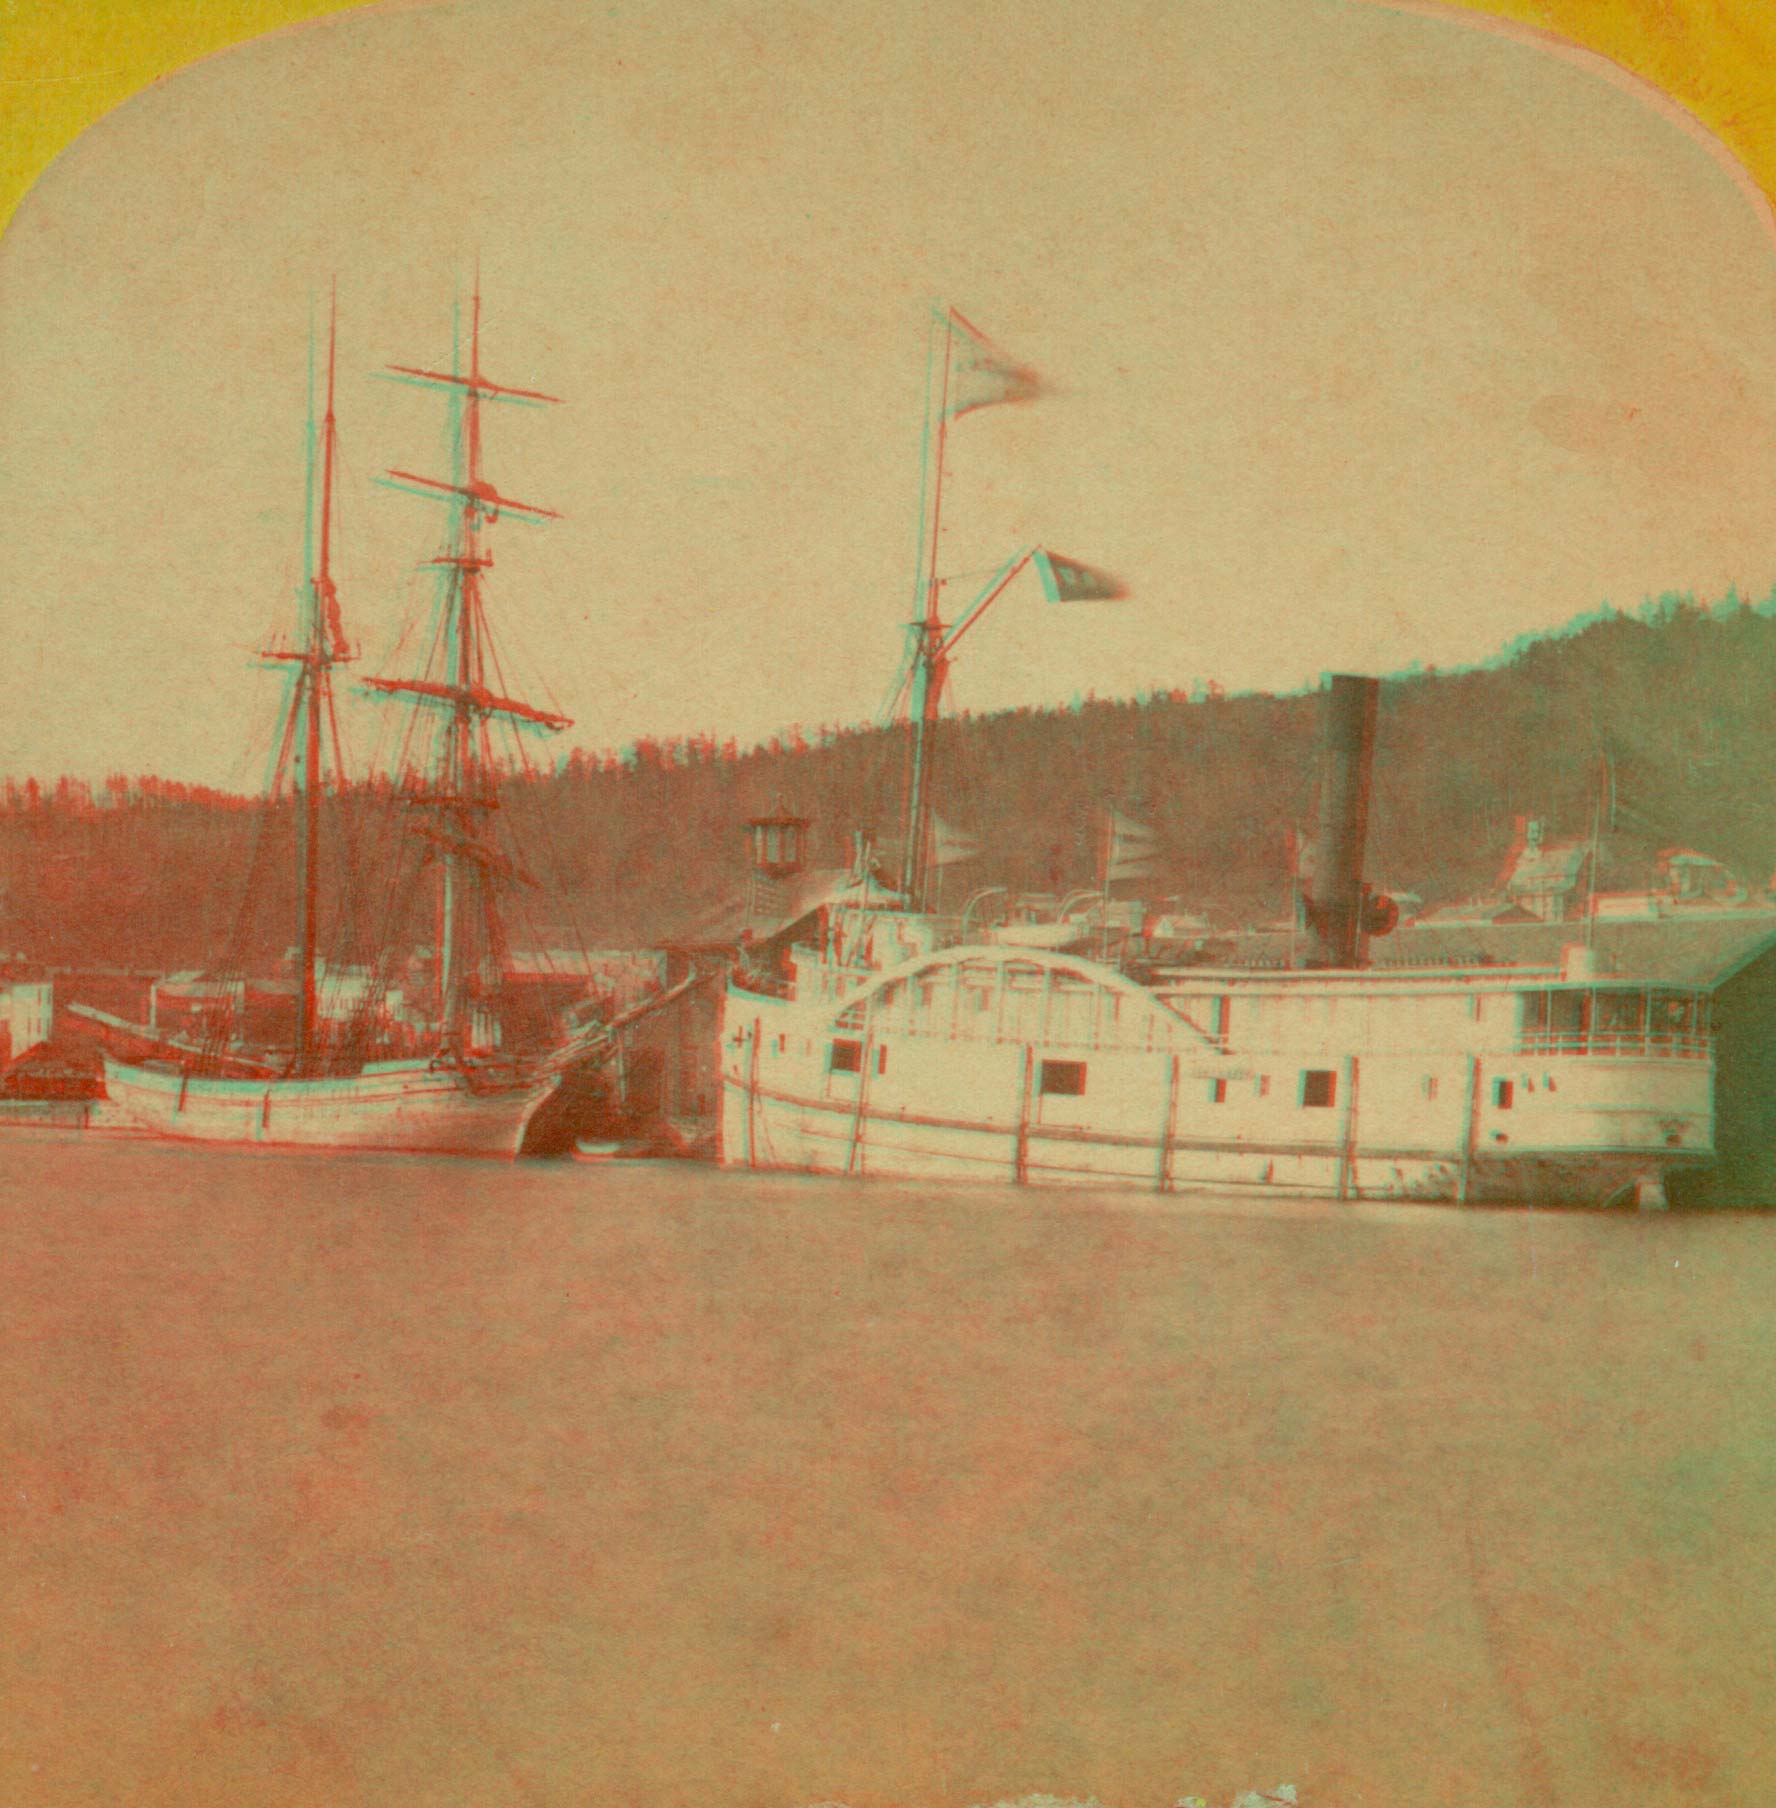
point(1532, 1062)
point(463, 1091)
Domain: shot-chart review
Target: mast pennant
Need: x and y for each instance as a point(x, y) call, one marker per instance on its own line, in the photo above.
point(1067, 581)
point(1131, 849)
point(950, 846)
point(980, 374)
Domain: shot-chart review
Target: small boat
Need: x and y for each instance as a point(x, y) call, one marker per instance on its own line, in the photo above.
point(594, 1149)
point(354, 1079)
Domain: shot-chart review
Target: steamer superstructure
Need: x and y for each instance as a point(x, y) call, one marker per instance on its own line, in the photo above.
point(1558, 1081)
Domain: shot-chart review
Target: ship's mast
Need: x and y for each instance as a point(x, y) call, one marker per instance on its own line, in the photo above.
point(974, 373)
point(320, 646)
point(460, 787)
point(317, 680)
point(456, 797)
point(930, 665)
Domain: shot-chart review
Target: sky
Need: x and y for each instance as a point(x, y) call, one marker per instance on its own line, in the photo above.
point(1371, 337)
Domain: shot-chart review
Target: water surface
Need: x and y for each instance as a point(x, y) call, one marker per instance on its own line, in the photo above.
point(338, 1481)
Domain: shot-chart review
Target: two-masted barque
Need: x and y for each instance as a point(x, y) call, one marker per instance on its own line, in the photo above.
point(468, 1087)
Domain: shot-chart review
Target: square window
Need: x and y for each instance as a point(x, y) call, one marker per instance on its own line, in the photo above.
point(1502, 1091)
point(845, 1057)
point(1062, 1079)
point(1319, 1086)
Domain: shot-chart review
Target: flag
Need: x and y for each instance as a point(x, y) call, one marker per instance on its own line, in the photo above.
point(980, 374)
point(1067, 581)
point(949, 845)
point(1130, 849)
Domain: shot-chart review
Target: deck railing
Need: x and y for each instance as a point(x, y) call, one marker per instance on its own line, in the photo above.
point(1690, 1046)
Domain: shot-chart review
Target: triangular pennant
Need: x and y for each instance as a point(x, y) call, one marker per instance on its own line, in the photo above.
point(1068, 581)
point(980, 374)
point(950, 846)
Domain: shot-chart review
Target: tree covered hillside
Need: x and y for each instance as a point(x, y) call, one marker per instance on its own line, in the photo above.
point(1677, 706)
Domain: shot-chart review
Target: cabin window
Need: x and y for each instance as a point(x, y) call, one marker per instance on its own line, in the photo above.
point(846, 1057)
point(1617, 1014)
point(1217, 1092)
point(1566, 1015)
point(1502, 1094)
point(1062, 1079)
point(1319, 1086)
point(882, 1059)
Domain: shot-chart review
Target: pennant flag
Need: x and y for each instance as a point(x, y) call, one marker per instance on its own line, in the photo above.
point(1130, 849)
point(1067, 581)
point(980, 373)
point(949, 846)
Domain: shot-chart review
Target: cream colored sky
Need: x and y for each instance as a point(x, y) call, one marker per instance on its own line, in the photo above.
point(1375, 337)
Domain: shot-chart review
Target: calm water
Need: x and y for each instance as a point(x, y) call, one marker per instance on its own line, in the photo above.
point(392, 1482)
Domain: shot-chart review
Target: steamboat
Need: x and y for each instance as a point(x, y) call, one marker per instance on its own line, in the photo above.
point(1540, 1061)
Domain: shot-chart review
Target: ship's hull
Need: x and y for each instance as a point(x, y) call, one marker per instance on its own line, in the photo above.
point(413, 1107)
point(1044, 1069)
point(765, 1128)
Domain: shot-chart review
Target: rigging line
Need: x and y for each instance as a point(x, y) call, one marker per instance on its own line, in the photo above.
point(523, 666)
point(379, 967)
point(412, 728)
point(889, 709)
point(527, 773)
point(376, 955)
point(266, 816)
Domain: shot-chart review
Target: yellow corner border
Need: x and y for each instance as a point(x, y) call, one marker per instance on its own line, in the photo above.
point(64, 64)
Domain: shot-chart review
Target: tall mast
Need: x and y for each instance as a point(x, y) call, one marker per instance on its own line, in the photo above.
point(314, 681)
point(457, 631)
point(464, 781)
point(459, 786)
point(320, 646)
point(929, 662)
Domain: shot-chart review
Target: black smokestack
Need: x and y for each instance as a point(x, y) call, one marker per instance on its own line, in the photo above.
point(1335, 902)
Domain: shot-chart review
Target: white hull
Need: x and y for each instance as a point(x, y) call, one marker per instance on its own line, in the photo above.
point(775, 1130)
point(403, 1106)
point(993, 1064)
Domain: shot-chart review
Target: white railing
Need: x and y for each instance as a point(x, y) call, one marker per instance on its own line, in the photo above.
point(1690, 1046)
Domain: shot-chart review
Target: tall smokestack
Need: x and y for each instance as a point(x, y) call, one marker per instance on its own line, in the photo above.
point(1335, 903)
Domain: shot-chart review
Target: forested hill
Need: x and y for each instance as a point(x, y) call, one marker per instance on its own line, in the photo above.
point(1677, 704)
